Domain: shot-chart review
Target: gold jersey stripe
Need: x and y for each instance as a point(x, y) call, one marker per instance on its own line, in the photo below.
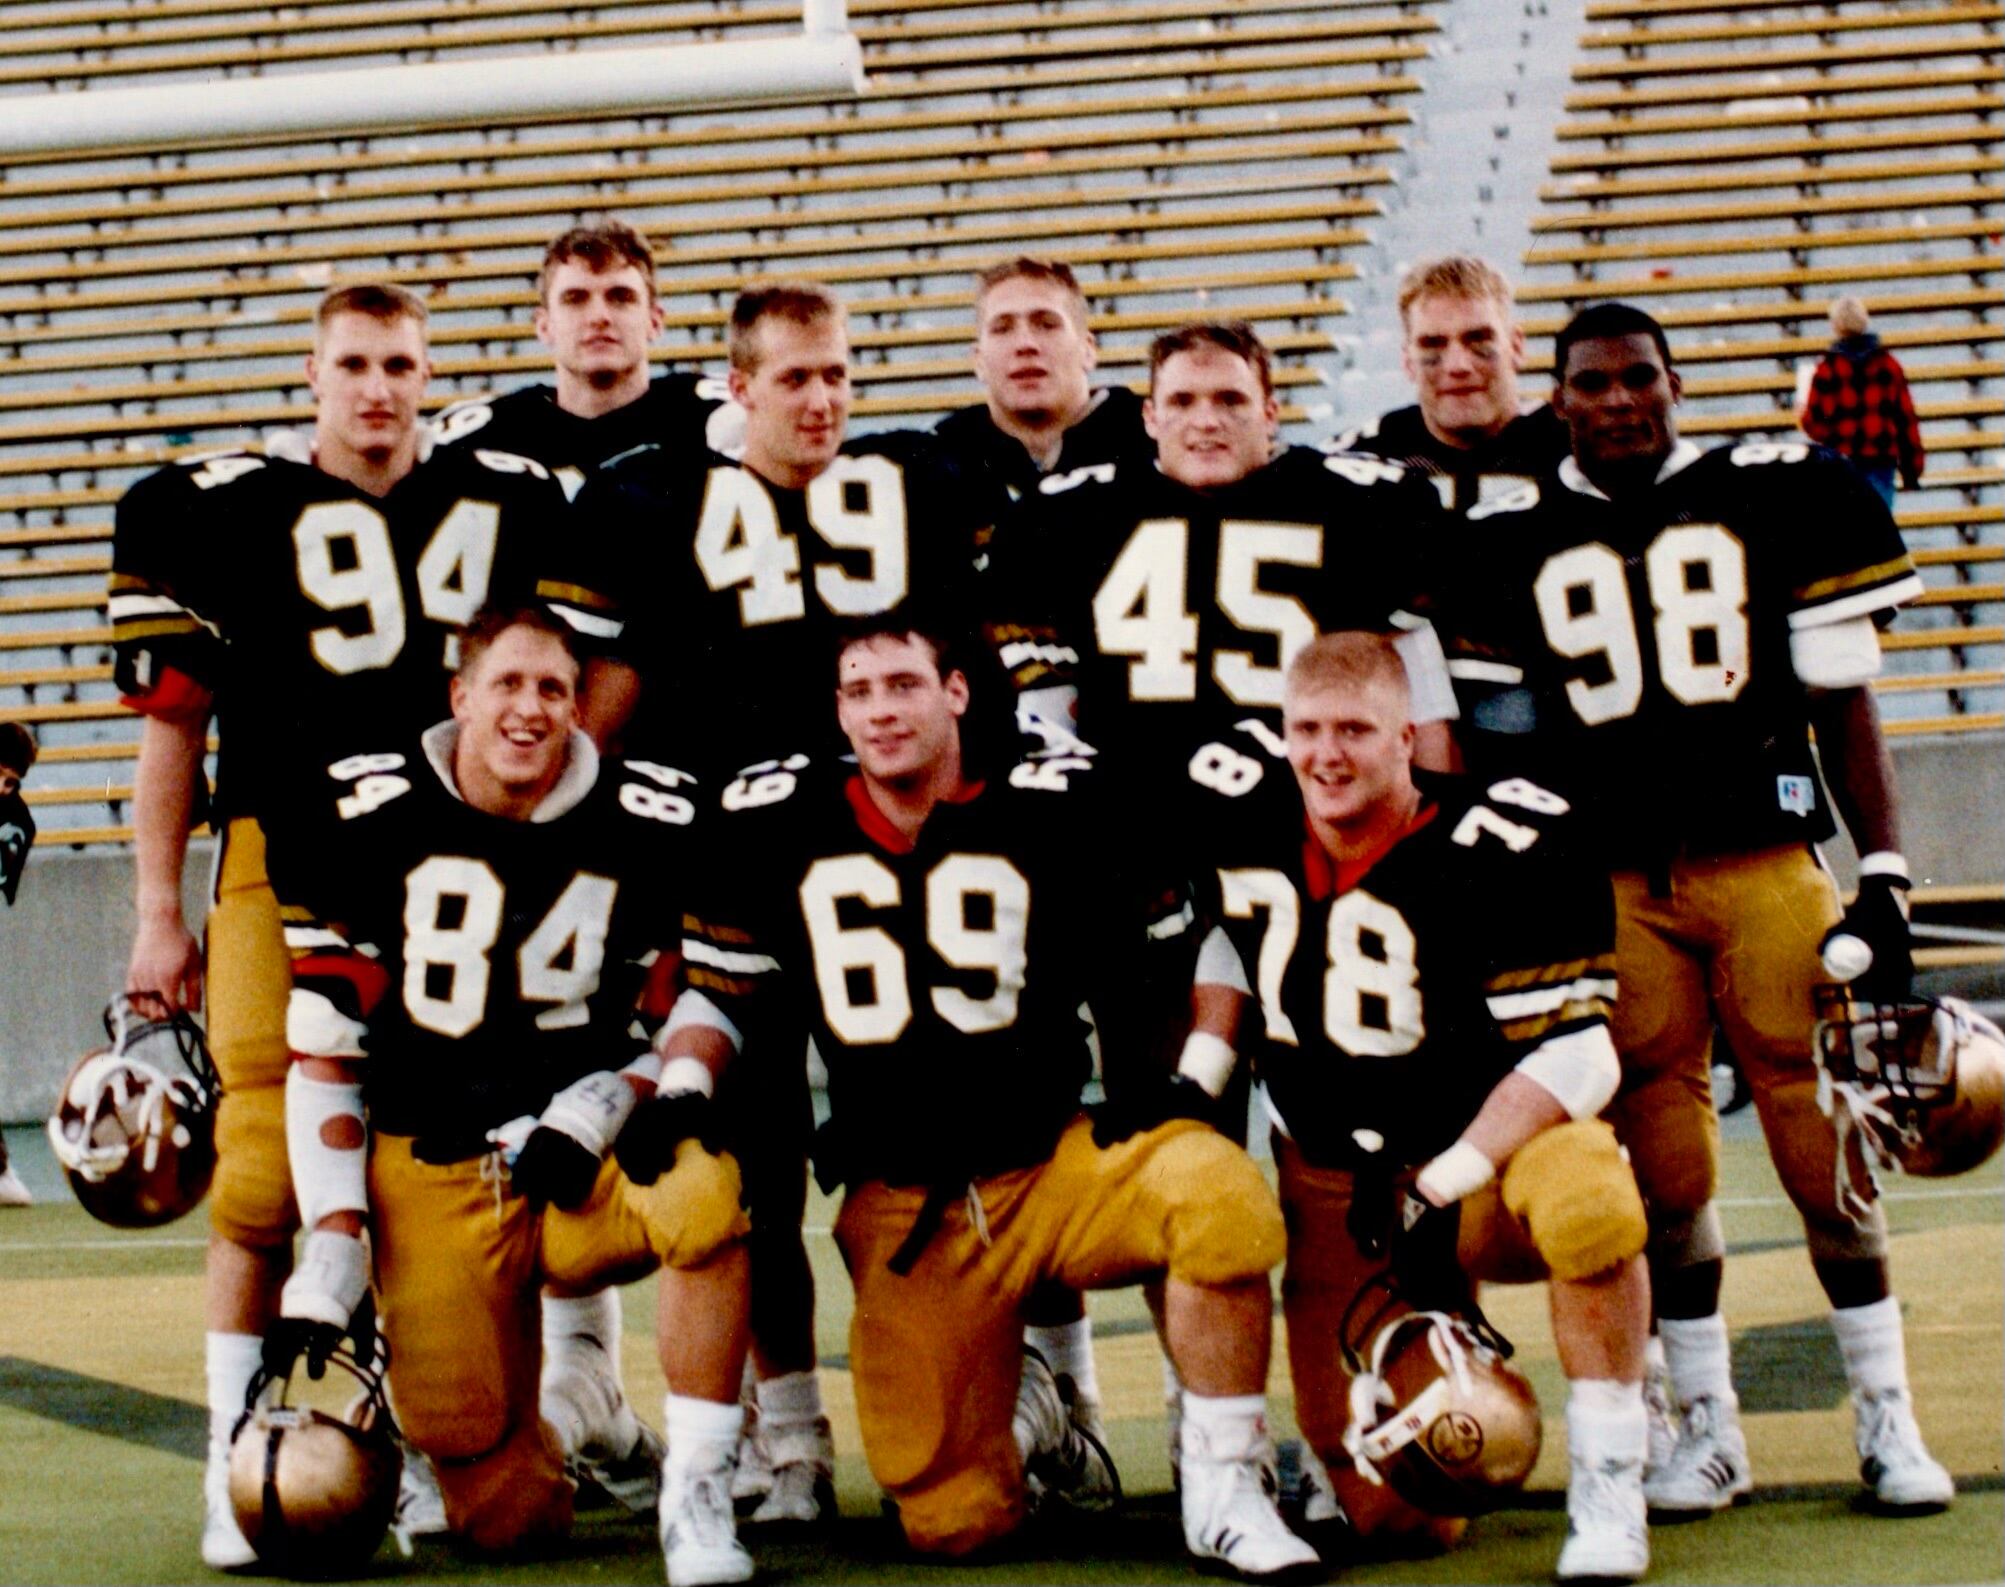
point(574, 594)
point(1550, 974)
point(1858, 579)
point(1536, 1028)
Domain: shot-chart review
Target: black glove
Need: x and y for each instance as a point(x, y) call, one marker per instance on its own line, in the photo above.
point(553, 1169)
point(1126, 1115)
point(1879, 918)
point(646, 1147)
point(1424, 1261)
point(288, 1339)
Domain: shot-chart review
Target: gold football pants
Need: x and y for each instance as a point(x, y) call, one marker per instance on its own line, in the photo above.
point(460, 1265)
point(1736, 938)
point(937, 1352)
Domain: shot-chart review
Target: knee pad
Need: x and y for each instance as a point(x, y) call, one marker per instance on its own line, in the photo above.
point(1571, 1187)
point(692, 1212)
point(250, 1200)
point(1226, 1227)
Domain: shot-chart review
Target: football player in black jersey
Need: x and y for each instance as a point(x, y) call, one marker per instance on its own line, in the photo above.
point(733, 575)
point(1034, 355)
point(477, 907)
point(1684, 620)
point(598, 314)
point(1463, 349)
point(304, 594)
point(1433, 966)
point(942, 918)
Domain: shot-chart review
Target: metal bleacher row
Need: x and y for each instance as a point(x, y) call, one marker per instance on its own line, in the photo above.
point(1735, 167)
point(1184, 156)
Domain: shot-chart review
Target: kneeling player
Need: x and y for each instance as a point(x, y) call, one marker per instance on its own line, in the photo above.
point(481, 902)
point(942, 920)
point(1434, 975)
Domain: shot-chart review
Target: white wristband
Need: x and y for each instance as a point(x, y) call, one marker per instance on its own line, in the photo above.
point(1208, 1060)
point(1885, 862)
point(592, 1111)
point(1456, 1173)
point(330, 1280)
point(680, 1076)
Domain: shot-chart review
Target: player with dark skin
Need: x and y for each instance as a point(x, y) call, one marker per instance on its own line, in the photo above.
point(1766, 566)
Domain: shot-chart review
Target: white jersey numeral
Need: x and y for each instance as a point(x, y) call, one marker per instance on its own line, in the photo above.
point(1142, 608)
point(1245, 893)
point(453, 573)
point(559, 963)
point(1371, 991)
point(855, 504)
point(861, 972)
point(1697, 578)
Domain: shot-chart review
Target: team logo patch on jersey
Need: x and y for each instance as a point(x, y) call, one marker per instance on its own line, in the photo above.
point(1796, 794)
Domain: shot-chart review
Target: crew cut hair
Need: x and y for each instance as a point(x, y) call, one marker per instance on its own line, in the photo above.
point(1600, 320)
point(607, 243)
point(803, 302)
point(1455, 275)
point(1348, 659)
point(491, 622)
point(1029, 267)
point(379, 300)
point(1233, 336)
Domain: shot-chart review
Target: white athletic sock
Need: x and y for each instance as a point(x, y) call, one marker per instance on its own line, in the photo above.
point(1605, 1421)
point(594, 1317)
point(693, 1425)
point(1232, 1426)
point(1068, 1349)
point(1874, 1347)
point(1695, 1348)
point(232, 1361)
point(789, 1399)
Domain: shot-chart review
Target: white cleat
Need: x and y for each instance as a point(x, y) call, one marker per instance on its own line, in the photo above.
point(13, 1193)
point(1662, 1412)
point(753, 1479)
point(224, 1546)
point(1893, 1461)
point(1709, 1469)
point(1062, 1460)
point(1607, 1527)
point(801, 1488)
point(699, 1529)
point(597, 1429)
point(1230, 1522)
point(421, 1507)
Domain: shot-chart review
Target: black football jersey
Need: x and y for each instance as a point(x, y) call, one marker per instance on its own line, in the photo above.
point(1528, 448)
point(513, 950)
point(318, 616)
point(731, 588)
point(1393, 995)
point(674, 412)
point(1173, 610)
point(1110, 431)
point(942, 979)
point(1654, 638)
point(17, 837)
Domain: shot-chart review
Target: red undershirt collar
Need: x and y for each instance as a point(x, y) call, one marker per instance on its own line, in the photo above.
point(1326, 876)
point(877, 826)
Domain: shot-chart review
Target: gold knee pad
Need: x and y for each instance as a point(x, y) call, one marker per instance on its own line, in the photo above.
point(1571, 1187)
point(1226, 1226)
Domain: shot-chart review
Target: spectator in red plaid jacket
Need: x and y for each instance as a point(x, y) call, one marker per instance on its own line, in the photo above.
point(1858, 404)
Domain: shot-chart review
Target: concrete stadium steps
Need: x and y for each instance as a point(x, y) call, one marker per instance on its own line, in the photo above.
point(1734, 168)
point(1186, 157)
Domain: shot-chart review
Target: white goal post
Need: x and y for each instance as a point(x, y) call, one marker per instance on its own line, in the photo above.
point(823, 61)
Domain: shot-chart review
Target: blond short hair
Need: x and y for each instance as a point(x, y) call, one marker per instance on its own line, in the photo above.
point(378, 300)
point(1458, 275)
point(1849, 317)
point(1351, 659)
point(803, 302)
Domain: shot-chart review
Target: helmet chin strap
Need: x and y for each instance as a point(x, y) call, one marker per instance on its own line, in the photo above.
point(1859, 1116)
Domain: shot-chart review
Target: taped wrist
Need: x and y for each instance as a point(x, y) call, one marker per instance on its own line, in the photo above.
point(329, 1280)
point(1460, 1171)
point(326, 1139)
point(1207, 1060)
point(592, 1111)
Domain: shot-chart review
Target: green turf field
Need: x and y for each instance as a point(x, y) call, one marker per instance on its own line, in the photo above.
point(101, 1418)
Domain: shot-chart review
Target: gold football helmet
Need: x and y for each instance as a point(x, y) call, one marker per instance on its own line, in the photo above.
point(1923, 1078)
point(315, 1493)
point(135, 1123)
point(1441, 1416)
